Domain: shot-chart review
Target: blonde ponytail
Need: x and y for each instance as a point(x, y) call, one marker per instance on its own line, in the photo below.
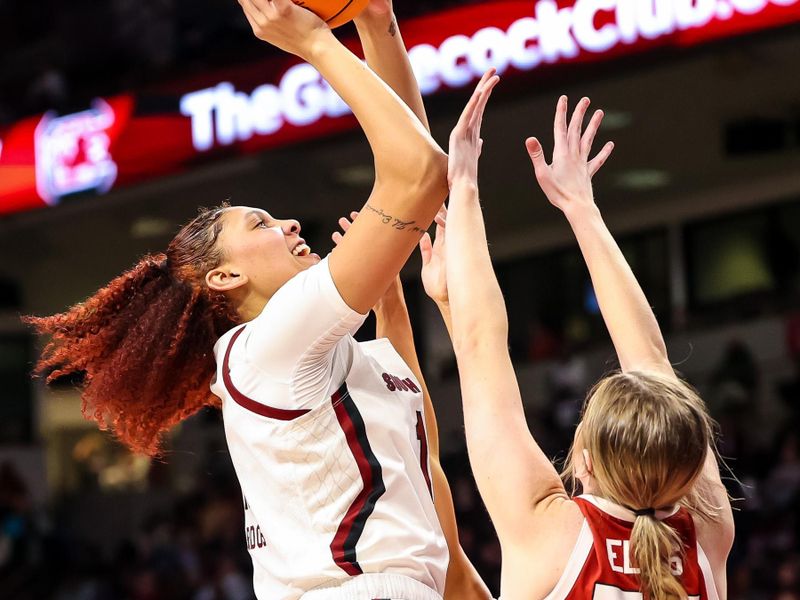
point(648, 436)
point(655, 546)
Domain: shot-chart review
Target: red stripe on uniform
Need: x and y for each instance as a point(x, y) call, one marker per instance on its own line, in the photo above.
point(343, 546)
point(248, 403)
point(423, 451)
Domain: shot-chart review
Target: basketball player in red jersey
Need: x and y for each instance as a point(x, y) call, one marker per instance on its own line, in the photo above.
point(654, 519)
point(327, 435)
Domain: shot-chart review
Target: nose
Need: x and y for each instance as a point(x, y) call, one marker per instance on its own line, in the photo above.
point(290, 226)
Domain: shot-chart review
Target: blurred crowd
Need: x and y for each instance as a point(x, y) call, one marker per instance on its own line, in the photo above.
point(195, 549)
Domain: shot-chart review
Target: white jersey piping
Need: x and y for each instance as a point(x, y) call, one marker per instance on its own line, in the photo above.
point(708, 575)
point(580, 553)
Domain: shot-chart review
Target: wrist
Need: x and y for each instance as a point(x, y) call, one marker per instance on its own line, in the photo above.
point(464, 184)
point(371, 23)
point(580, 210)
point(319, 43)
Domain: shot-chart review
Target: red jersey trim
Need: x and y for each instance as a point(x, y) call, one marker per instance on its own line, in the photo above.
point(343, 545)
point(257, 407)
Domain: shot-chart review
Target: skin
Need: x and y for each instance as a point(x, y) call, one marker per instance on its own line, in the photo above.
point(258, 257)
point(393, 322)
point(520, 487)
point(410, 186)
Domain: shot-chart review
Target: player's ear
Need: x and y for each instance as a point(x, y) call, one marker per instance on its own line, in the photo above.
point(223, 279)
point(587, 462)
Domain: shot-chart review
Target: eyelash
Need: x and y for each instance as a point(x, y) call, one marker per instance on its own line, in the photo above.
point(261, 223)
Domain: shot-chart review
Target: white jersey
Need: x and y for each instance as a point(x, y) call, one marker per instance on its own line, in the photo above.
point(327, 437)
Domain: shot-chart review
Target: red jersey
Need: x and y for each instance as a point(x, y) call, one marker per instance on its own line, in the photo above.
point(599, 567)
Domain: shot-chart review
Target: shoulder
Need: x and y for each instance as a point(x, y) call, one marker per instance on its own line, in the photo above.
point(554, 526)
point(222, 345)
point(558, 534)
point(309, 296)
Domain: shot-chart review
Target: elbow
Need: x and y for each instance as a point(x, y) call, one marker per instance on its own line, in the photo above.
point(420, 171)
point(430, 172)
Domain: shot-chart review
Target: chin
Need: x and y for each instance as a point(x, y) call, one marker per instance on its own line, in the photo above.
point(310, 260)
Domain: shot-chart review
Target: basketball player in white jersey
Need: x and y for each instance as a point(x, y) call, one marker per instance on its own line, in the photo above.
point(654, 520)
point(329, 438)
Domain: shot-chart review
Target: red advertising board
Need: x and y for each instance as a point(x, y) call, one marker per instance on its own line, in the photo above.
point(129, 138)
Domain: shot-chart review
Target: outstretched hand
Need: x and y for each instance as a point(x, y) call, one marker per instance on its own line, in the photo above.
point(465, 139)
point(434, 273)
point(567, 181)
point(284, 24)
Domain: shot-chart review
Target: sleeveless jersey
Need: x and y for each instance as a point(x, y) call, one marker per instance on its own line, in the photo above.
point(340, 487)
point(600, 565)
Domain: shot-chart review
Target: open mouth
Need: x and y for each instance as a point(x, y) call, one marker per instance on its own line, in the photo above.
point(301, 249)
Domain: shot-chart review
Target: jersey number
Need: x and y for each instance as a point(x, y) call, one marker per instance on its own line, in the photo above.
point(423, 451)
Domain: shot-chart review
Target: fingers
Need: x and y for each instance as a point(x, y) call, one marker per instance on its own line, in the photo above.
point(477, 117)
point(600, 159)
point(485, 78)
point(259, 8)
point(280, 5)
point(441, 226)
point(469, 109)
point(591, 130)
point(560, 126)
point(426, 248)
point(575, 124)
point(345, 224)
point(251, 13)
point(441, 233)
point(536, 154)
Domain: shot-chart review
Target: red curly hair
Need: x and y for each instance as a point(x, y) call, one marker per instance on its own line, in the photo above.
point(143, 344)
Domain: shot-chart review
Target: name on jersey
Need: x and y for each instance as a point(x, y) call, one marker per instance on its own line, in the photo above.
point(619, 557)
point(252, 533)
point(395, 384)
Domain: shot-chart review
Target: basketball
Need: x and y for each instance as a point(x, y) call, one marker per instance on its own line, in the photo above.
point(334, 12)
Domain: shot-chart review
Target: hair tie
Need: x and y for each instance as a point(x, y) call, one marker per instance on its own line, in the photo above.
point(644, 512)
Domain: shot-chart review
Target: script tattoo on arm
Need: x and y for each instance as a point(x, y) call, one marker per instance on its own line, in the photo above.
point(394, 222)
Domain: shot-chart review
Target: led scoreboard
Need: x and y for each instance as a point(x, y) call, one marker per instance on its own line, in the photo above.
point(133, 137)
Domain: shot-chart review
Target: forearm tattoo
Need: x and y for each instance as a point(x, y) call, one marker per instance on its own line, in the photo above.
point(394, 222)
point(393, 28)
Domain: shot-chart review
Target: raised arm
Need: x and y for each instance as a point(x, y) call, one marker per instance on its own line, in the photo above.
point(386, 54)
point(567, 184)
point(630, 321)
point(410, 167)
point(514, 476)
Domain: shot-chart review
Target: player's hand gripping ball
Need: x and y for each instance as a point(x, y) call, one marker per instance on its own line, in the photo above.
point(334, 12)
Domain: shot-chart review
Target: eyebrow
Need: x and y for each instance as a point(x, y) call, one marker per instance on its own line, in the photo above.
point(258, 214)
